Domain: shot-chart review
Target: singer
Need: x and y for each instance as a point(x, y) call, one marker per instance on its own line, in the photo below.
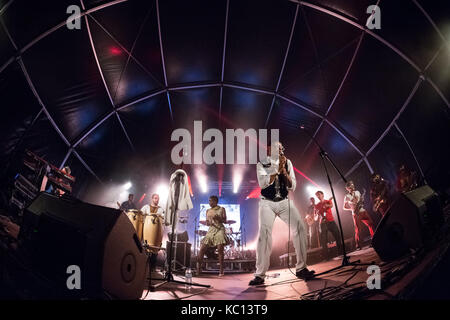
point(276, 178)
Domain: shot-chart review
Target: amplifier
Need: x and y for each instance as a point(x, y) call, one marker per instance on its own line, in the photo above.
point(181, 254)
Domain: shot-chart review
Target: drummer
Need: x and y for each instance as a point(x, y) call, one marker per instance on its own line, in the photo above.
point(129, 204)
point(153, 208)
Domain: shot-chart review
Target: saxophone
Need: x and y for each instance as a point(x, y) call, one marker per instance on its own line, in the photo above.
point(277, 188)
point(277, 181)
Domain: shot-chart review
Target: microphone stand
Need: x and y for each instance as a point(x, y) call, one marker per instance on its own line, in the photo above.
point(324, 156)
point(195, 235)
point(168, 276)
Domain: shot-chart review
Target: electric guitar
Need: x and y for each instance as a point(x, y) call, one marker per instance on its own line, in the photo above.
point(377, 203)
point(310, 219)
point(358, 205)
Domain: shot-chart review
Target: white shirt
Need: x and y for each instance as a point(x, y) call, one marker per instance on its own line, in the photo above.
point(264, 173)
point(348, 201)
point(146, 210)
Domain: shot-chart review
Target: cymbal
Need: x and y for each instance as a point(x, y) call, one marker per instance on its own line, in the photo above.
point(229, 222)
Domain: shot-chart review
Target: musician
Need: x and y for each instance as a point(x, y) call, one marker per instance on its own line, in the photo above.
point(216, 235)
point(406, 179)
point(276, 178)
point(153, 208)
point(353, 201)
point(327, 224)
point(313, 225)
point(57, 191)
point(379, 194)
point(129, 204)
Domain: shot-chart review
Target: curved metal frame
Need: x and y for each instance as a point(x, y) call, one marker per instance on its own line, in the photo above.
point(222, 84)
point(86, 20)
point(223, 59)
point(294, 21)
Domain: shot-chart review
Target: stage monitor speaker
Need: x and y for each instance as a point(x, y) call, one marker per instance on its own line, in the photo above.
point(407, 223)
point(180, 237)
point(60, 232)
point(183, 254)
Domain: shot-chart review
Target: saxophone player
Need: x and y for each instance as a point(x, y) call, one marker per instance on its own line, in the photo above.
point(276, 178)
point(354, 202)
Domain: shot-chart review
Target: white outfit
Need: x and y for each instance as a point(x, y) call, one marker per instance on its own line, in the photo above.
point(146, 210)
point(286, 210)
point(184, 199)
point(264, 173)
point(348, 200)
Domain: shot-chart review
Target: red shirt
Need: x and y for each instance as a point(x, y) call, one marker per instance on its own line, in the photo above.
point(325, 212)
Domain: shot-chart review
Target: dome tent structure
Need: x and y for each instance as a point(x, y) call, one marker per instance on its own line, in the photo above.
point(104, 99)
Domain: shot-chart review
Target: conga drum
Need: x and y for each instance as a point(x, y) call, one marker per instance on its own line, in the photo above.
point(137, 220)
point(153, 231)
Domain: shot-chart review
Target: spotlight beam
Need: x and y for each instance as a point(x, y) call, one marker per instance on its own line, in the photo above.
point(306, 177)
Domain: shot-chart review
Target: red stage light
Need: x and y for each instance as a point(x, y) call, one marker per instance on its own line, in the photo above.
point(115, 51)
point(254, 194)
point(306, 177)
point(190, 186)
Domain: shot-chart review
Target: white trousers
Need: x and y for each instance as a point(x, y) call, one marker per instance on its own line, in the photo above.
point(268, 211)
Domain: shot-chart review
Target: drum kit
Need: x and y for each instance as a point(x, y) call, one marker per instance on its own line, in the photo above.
point(149, 229)
point(233, 250)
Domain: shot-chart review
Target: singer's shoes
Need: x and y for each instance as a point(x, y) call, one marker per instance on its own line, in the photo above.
point(256, 281)
point(305, 274)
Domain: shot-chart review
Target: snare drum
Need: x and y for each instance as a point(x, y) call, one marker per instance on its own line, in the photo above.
point(153, 231)
point(137, 220)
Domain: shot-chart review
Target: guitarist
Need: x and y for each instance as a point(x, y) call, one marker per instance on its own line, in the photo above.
point(379, 194)
point(354, 202)
point(127, 205)
point(327, 224)
point(312, 220)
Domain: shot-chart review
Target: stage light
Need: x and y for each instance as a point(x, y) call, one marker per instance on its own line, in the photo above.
point(306, 177)
point(190, 186)
point(123, 196)
point(254, 194)
point(115, 51)
point(202, 181)
point(163, 191)
point(142, 197)
point(127, 185)
point(237, 179)
point(251, 245)
point(311, 190)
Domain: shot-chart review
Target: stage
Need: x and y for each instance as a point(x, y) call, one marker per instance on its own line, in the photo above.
point(399, 280)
